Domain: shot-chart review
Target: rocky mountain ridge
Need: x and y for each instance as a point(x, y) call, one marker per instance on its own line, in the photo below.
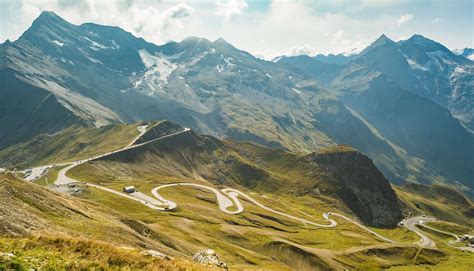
point(386, 87)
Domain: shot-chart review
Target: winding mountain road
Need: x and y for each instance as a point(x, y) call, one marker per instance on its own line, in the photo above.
point(226, 198)
point(37, 172)
point(63, 179)
point(450, 242)
point(411, 223)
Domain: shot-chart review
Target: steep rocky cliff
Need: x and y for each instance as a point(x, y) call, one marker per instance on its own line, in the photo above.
point(360, 185)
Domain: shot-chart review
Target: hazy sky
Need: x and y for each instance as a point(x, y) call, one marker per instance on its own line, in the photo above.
point(265, 28)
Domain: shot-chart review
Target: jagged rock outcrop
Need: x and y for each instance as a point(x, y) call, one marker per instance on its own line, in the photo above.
point(209, 257)
point(360, 185)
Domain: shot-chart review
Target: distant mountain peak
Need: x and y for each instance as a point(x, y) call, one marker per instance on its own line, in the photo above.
point(340, 59)
point(47, 13)
point(195, 40)
point(221, 40)
point(382, 40)
point(421, 40)
point(426, 44)
point(49, 17)
point(222, 43)
point(418, 36)
point(46, 20)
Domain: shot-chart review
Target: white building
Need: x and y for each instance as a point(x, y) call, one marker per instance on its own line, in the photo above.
point(129, 189)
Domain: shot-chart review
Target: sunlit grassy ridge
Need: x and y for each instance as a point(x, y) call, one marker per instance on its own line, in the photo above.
point(66, 253)
point(73, 143)
point(439, 201)
point(451, 227)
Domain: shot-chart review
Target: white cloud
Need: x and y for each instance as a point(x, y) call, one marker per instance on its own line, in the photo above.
point(302, 50)
point(159, 26)
point(266, 54)
point(170, 20)
point(179, 11)
point(405, 18)
point(343, 43)
point(230, 8)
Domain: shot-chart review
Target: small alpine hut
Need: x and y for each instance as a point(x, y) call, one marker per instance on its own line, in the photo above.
point(129, 189)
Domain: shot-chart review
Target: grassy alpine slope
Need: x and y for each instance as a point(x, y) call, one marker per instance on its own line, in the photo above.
point(302, 185)
point(255, 238)
point(66, 253)
point(47, 230)
point(72, 144)
point(439, 201)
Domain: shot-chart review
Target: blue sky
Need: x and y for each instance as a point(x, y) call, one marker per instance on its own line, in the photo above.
point(265, 28)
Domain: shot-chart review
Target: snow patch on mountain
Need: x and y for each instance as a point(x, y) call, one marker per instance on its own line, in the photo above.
point(297, 91)
point(458, 70)
point(415, 66)
point(158, 70)
point(58, 43)
point(93, 34)
point(93, 60)
point(95, 46)
point(226, 64)
point(278, 58)
point(199, 57)
point(115, 45)
point(228, 60)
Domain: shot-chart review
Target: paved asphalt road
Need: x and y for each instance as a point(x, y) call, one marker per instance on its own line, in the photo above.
point(451, 242)
point(411, 223)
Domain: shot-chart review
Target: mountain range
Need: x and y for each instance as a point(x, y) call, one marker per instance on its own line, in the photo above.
point(408, 105)
point(194, 155)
